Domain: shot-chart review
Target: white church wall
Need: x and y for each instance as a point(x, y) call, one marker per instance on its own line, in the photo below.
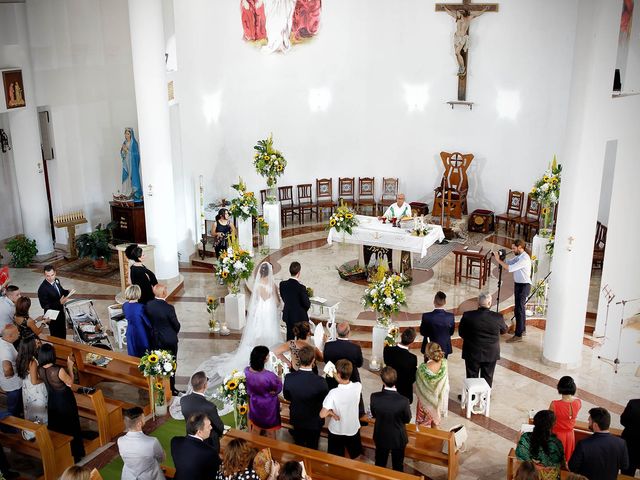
point(81, 55)
point(367, 96)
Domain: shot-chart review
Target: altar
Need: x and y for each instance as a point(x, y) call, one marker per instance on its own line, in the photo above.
point(372, 232)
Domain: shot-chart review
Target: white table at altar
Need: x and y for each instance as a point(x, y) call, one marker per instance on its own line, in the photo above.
point(372, 232)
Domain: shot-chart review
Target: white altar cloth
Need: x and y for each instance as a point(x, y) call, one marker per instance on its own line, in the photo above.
point(371, 231)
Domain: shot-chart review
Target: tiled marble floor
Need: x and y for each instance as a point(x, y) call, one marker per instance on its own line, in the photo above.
point(521, 382)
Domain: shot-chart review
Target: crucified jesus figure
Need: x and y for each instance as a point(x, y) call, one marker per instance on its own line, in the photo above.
point(461, 36)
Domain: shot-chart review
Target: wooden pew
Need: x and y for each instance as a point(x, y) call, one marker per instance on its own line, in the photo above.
point(319, 465)
point(581, 431)
point(513, 463)
point(122, 368)
point(425, 444)
point(106, 412)
point(52, 448)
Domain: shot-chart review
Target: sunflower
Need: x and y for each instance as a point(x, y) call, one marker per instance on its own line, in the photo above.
point(349, 215)
point(243, 409)
point(210, 300)
point(159, 386)
point(534, 190)
point(332, 222)
point(224, 274)
point(545, 178)
point(280, 167)
point(232, 385)
point(545, 210)
point(260, 219)
point(153, 358)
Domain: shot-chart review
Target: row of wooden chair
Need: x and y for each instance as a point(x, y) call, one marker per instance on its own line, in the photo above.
point(599, 245)
point(514, 218)
point(305, 204)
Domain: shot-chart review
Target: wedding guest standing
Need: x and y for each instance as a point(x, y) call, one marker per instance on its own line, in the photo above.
point(138, 325)
point(566, 411)
point(432, 383)
point(34, 391)
point(222, 230)
point(438, 325)
point(341, 406)
point(165, 326)
point(301, 332)
point(192, 455)
point(8, 305)
point(62, 406)
point(10, 382)
point(196, 402)
point(306, 391)
point(263, 388)
point(23, 321)
point(53, 296)
point(139, 274)
point(630, 420)
point(141, 454)
point(392, 412)
point(343, 348)
point(404, 362)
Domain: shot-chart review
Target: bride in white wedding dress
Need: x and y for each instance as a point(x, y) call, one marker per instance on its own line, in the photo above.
point(262, 328)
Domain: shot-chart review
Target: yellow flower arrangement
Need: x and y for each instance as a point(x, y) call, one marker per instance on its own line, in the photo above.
point(268, 161)
point(157, 363)
point(343, 219)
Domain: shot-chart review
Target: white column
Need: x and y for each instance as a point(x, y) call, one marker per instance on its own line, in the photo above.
point(582, 159)
point(154, 132)
point(271, 212)
point(25, 141)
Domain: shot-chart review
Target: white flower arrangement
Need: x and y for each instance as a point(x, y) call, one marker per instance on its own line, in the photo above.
point(385, 297)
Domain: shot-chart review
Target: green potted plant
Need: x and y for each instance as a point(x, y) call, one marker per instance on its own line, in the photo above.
point(22, 250)
point(96, 245)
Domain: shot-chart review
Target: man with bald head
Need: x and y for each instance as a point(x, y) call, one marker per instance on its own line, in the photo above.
point(10, 382)
point(398, 210)
point(340, 348)
point(481, 329)
point(164, 324)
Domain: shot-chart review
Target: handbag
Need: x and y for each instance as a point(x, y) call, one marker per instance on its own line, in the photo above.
point(459, 436)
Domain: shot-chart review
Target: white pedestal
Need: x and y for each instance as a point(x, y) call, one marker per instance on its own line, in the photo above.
point(234, 310)
point(539, 249)
point(271, 213)
point(245, 234)
point(379, 333)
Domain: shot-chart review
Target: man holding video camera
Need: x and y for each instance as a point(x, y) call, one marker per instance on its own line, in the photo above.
point(520, 266)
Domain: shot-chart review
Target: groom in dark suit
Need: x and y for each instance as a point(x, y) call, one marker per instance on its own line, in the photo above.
point(295, 298)
point(53, 296)
point(404, 362)
point(438, 326)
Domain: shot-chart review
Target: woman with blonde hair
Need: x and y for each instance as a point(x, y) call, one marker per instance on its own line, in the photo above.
point(138, 325)
point(77, 472)
point(432, 383)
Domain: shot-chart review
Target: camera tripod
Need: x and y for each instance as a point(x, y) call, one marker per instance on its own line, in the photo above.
point(616, 361)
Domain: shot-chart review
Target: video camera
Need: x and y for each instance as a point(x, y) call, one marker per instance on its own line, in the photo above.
point(502, 253)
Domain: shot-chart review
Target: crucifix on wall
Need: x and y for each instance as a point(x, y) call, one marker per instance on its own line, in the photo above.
point(463, 13)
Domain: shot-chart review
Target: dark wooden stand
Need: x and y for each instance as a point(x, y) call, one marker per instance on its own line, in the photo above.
point(130, 222)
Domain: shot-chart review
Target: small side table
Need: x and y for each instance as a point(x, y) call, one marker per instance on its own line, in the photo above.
point(463, 252)
point(476, 396)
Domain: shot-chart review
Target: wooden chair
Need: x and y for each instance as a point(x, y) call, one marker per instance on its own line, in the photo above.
point(530, 221)
point(366, 195)
point(599, 246)
point(288, 208)
point(389, 193)
point(515, 203)
point(346, 191)
point(305, 202)
point(324, 197)
point(453, 189)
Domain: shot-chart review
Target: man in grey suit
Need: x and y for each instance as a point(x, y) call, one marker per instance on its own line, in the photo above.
point(141, 454)
point(196, 402)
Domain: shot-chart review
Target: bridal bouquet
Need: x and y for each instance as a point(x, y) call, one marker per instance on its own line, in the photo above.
point(344, 219)
point(234, 265)
point(385, 297)
point(245, 204)
point(157, 363)
point(268, 161)
point(234, 390)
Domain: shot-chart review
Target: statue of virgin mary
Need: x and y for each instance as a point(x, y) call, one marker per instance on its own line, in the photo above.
point(130, 154)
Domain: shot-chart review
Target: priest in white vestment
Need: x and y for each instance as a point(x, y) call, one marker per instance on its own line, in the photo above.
point(279, 20)
point(399, 210)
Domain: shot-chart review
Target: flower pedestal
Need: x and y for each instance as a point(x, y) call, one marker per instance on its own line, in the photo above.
point(379, 333)
point(271, 213)
point(539, 251)
point(245, 234)
point(234, 311)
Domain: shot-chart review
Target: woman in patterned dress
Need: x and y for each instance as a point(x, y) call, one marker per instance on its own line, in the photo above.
point(432, 381)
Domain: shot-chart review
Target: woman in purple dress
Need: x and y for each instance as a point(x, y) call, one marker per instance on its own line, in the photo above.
point(263, 388)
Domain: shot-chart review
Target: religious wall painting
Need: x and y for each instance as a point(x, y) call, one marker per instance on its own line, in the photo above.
point(276, 25)
point(13, 89)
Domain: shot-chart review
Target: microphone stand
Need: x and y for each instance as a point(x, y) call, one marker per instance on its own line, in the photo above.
point(616, 361)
